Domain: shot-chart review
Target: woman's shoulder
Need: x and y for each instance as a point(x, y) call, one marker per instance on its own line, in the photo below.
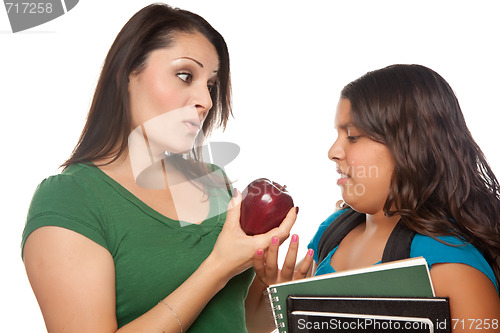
point(70, 199)
point(71, 181)
point(74, 187)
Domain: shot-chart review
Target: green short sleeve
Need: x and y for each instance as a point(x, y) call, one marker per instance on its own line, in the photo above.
point(65, 201)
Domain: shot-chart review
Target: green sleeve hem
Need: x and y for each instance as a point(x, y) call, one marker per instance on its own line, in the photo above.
point(54, 219)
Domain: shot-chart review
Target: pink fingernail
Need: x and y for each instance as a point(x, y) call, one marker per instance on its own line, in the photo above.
point(310, 252)
point(294, 238)
point(235, 192)
point(274, 240)
point(259, 252)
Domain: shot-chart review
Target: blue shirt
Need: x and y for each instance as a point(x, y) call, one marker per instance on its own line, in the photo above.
point(431, 249)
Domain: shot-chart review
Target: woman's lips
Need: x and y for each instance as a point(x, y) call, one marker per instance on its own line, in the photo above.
point(193, 126)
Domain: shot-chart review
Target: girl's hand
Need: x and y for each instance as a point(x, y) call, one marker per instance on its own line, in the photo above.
point(266, 264)
point(234, 250)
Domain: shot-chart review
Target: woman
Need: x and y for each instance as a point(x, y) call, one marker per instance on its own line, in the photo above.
point(405, 156)
point(128, 239)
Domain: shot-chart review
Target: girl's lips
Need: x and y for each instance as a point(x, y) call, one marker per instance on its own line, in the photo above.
point(344, 178)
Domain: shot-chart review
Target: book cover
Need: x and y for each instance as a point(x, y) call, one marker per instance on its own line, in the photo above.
point(402, 278)
point(322, 322)
point(435, 309)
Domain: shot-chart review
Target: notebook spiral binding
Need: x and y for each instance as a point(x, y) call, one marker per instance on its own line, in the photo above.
point(278, 315)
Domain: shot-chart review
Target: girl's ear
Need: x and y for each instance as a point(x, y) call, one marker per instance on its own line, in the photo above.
point(341, 204)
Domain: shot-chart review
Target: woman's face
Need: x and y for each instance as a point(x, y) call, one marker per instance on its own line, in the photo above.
point(170, 96)
point(365, 166)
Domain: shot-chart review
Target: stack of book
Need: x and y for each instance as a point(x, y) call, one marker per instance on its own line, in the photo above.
point(392, 297)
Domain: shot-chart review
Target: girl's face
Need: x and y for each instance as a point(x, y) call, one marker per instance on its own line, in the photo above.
point(365, 166)
point(170, 96)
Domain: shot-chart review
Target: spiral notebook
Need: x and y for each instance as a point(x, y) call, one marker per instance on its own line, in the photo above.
point(402, 278)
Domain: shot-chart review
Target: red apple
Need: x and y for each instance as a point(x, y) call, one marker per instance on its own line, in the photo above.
point(265, 204)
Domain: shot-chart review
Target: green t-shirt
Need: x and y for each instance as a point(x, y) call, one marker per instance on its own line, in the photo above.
point(152, 254)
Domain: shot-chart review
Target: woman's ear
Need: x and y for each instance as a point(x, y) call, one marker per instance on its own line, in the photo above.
point(132, 78)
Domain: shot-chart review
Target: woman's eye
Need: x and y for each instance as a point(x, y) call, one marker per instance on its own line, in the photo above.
point(210, 86)
point(186, 77)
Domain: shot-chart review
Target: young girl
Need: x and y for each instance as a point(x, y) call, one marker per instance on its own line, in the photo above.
point(406, 158)
point(128, 239)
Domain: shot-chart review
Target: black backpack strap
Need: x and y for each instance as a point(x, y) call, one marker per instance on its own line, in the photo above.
point(337, 230)
point(399, 243)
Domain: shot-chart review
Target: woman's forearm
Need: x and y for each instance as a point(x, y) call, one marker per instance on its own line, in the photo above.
point(181, 308)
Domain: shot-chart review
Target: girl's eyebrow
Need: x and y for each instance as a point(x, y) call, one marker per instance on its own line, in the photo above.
point(346, 125)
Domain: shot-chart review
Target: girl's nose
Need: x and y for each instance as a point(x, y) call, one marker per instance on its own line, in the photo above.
point(336, 152)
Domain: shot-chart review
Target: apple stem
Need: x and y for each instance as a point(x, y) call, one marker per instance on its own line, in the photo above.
point(283, 187)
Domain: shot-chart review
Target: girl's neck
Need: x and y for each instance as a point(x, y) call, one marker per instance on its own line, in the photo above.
point(380, 223)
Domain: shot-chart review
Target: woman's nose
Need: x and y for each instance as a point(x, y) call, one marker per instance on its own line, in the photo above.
point(202, 100)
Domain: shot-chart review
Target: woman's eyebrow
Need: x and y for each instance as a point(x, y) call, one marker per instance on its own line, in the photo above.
point(196, 61)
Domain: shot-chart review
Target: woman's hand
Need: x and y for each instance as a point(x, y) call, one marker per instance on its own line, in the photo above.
point(234, 250)
point(266, 263)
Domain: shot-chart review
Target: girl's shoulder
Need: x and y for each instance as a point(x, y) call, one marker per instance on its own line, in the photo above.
point(450, 249)
point(313, 244)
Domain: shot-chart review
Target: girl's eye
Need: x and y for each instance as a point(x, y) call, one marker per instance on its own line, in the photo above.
point(210, 86)
point(353, 135)
point(186, 77)
point(352, 138)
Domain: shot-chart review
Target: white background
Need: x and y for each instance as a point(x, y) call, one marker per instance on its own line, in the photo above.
point(289, 61)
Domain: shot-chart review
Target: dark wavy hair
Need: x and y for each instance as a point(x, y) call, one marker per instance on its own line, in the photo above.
point(108, 125)
point(442, 183)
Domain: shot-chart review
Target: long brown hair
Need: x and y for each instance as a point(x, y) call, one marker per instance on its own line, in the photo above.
point(108, 123)
point(442, 183)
